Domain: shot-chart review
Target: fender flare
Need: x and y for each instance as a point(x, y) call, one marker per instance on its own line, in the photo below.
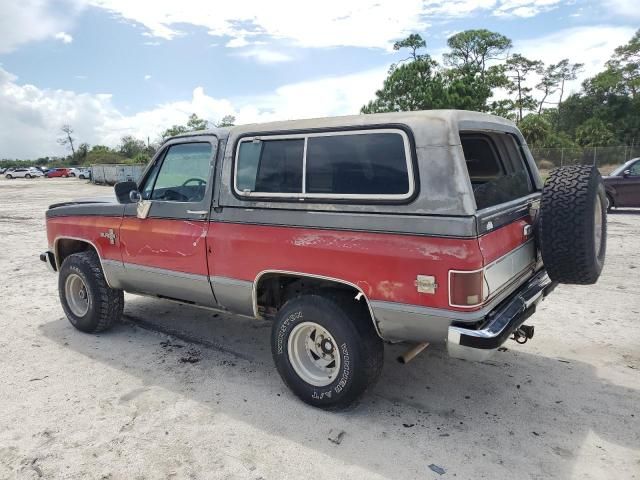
point(254, 290)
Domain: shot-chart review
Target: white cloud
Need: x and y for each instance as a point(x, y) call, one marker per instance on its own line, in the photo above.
point(265, 56)
point(237, 42)
point(625, 8)
point(147, 77)
point(32, 116)
point(525, 8)
point(330, 23)
point(32, 20)
point(64, 37)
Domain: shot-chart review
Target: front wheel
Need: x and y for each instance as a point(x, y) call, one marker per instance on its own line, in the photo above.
point(8, 176)
point(89, 303)
point(326, 349)
point(27, 176)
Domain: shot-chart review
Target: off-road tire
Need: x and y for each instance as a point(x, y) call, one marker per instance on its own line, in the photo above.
point(570, 251)
point(350, 324)
point(105, 303)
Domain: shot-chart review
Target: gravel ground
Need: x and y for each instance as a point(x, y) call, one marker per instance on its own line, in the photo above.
point(181, 392)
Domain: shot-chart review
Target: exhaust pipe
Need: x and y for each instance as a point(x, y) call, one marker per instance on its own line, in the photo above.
point(410, 354)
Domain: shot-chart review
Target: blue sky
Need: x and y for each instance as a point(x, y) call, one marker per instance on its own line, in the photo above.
point(115, 67)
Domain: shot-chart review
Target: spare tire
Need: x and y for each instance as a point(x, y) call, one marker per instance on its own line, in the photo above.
point(573, 225)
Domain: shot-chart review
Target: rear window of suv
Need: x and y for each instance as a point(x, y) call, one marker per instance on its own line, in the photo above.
point(363, 164)
point(496, 167)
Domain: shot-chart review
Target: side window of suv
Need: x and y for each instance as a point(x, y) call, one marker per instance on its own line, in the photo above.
point(272, 166)
point(496, 168)
point(366, 164)
point(181, 176)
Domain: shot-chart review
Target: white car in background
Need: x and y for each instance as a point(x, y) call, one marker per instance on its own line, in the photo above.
point(83, 173)
point(24, 173)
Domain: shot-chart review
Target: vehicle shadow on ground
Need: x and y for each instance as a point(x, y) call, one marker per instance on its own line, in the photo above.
point(433, 410)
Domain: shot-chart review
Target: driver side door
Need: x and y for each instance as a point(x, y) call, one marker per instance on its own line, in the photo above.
point(629, 187)
point(165, 254)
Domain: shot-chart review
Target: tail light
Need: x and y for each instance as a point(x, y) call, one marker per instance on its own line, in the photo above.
point(466, 289)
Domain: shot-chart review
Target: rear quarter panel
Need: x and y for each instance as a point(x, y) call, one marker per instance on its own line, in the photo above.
point(383, 265)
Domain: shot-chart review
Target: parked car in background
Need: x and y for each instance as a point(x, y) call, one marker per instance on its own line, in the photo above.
point(31, 172)
point(84, 173)
point(623, 185)
point(73, 172)
point(2, 170)
point(59, 172)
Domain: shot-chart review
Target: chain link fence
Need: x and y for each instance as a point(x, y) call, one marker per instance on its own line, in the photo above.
point(605, 158)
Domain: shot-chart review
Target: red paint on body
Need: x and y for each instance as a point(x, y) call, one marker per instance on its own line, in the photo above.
point(86, 228)
point(383, 265)
point(178, 245)
point(501, 241)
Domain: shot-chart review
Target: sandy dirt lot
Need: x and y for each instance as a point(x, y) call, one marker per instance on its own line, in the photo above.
point(180, 392)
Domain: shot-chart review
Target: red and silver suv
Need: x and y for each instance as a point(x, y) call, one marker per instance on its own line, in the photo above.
point(347, 232)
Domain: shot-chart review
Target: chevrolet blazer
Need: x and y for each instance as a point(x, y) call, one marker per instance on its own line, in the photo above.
point(347, 232)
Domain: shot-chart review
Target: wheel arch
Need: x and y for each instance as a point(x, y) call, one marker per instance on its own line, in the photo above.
point(315, 281)
point(65, 246)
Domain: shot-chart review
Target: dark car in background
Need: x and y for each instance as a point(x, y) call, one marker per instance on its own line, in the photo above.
point(623, 185)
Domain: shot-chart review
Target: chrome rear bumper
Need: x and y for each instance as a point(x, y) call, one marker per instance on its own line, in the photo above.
point(479, 343)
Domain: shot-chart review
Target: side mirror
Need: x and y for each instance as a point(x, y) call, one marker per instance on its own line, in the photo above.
point(124, 190)
point(626, 173)
point(134, 196)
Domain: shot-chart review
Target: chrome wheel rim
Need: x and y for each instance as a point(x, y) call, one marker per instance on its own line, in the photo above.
point(76, 294)
point(313, 354)
point(597, 226)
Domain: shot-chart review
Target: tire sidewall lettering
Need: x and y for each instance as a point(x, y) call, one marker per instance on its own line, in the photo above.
point(346, 369)
point(285, 328)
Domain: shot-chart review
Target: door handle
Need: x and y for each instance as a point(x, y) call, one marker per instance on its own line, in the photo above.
point(197, 212)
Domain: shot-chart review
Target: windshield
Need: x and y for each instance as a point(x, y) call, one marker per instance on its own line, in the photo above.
point(618, 171)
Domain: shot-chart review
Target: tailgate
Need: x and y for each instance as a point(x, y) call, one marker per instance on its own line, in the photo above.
point(509, 253)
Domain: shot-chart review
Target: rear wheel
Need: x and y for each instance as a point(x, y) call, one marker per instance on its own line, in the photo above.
point(326, 349)
point(610, 204)
point(573, 225)
point(27, 176)
point(89, 303)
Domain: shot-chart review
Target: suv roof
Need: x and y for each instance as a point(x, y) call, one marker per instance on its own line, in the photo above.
point(442, 123)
